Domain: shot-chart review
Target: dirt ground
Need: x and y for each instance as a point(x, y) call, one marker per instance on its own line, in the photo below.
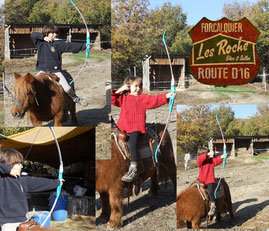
point(146, 212)
point(249, 186)
point(204, 94)
point(79, 223)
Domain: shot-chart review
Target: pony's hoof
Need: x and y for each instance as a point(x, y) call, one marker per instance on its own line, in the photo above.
point(112, 225)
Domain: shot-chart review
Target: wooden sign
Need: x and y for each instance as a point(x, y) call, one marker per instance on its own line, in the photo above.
point(224, 52)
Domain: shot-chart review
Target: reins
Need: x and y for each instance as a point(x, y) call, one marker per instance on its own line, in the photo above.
point(14, 99)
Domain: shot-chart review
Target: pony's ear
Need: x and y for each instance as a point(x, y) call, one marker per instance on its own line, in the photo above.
point(29, 78)
point(16, 75)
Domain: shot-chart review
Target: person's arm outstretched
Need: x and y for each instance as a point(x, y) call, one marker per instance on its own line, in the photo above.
point(38, 184)
point(154, 101)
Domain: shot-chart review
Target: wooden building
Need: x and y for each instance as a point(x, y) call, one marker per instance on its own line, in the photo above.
point(157, 74)
point(18, 43)
point(242, 145)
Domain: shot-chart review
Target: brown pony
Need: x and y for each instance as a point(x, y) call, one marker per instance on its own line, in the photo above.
point(191, 207)
point(109, 174)
point(42, 98)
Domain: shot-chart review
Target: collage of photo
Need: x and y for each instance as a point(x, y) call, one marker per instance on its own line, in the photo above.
point(134, 115)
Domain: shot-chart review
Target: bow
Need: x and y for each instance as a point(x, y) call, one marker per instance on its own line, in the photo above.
point(172, 98)
point(60, 176)
point(224, 144)
point(224, 153)
point(173, 89)
point(87, 41)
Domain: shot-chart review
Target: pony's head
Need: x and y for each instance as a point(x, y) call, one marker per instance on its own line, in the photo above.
point(25, 94)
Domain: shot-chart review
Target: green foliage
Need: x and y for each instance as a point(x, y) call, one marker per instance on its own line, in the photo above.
point(192, 128)
point(18, 11)
point(260, 158)
point(182, 43)
point(81, 56)
point(96, 12)
point(137, 32)
point(196, 124)
point(8, 131)
point(258, 15)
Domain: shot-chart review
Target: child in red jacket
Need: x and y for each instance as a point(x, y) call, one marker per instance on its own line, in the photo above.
point(132, 118)
point(206, 163)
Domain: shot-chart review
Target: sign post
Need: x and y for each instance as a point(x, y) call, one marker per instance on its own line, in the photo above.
point(224, 52)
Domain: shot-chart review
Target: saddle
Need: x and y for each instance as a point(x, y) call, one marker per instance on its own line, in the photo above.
point(146, 148)
point(51, 76)
point(203, 191)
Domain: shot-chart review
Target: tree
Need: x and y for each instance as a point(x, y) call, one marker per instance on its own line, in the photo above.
point(235, 127)
point(192, 129)
point(169, 18)
point(183, 42)
point(43, 11)
point(197, 124)
point(18, 11)
point(127, 34)
point(258, 14)
point(137, 32)
point(235, 11)
point(225, 117)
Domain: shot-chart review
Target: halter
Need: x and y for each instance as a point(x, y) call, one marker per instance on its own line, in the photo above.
point(17, 102)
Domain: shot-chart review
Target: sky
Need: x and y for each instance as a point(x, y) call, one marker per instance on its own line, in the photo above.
point(197, 9)
point(241, 111)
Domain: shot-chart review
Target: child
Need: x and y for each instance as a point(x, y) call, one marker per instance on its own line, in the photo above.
point(14, 189)
point(132, 118)
point(206, 163)
point(49, 58)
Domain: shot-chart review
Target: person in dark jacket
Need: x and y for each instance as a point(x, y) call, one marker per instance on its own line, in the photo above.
point(14, 189)
point(49, 57)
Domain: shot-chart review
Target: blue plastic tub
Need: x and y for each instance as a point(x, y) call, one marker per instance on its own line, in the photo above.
point(40, 217)
point(60, 211)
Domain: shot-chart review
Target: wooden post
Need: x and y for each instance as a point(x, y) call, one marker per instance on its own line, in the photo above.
point(182, 77)
point(97, 42)
point(146, 73)
point(108, 95)
point(7, 48)
point(264, 79)
point(233, 148)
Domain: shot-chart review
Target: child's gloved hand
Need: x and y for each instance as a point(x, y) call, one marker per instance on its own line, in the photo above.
point(222, 156)
point(210, 154)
